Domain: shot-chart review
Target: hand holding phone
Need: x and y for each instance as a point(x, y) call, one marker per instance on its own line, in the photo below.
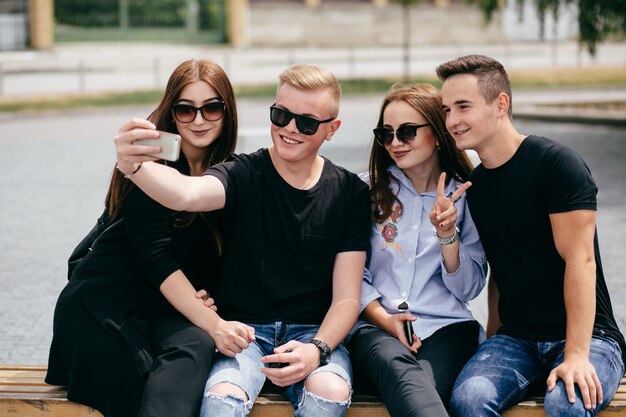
point(408, 327)
point(279, 364)
point(408, 331)
point(169, 143)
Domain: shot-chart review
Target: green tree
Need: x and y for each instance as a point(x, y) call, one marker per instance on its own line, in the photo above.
point(406, 34)
point(597, 19)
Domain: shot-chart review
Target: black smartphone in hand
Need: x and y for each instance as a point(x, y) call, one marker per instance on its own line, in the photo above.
point(408, 328)
point(408, 331)
point(279, 364)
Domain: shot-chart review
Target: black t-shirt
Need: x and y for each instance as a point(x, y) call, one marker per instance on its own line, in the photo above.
point(280, 243)
point(511, 205)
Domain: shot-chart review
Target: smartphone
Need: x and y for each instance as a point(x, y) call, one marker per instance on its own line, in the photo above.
point(279, 364)
point(408, 328)
point(169, 143)
point(408, 331)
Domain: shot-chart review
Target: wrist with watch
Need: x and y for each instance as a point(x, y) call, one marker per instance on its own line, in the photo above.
point(324, 351)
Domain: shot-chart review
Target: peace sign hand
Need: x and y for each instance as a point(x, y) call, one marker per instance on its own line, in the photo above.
point(443, 213)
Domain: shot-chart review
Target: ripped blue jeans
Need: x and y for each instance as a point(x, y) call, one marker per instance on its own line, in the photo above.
point(244, 371)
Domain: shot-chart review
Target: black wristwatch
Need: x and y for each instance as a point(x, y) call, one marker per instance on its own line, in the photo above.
point(324, 351)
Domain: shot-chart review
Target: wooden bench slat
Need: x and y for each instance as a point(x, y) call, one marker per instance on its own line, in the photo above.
point(23, 393)
point(57, 407)
point(33, 389)
point(23, 368)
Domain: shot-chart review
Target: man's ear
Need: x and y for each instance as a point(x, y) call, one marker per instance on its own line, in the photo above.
point(503, 102)
point(334, 125)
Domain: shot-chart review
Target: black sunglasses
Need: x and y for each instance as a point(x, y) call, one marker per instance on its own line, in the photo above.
point(405, 134)
point(211, 112)
point(305, 124)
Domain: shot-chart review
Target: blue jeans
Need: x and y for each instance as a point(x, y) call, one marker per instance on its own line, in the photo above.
point(505, 369)
point(244, 371)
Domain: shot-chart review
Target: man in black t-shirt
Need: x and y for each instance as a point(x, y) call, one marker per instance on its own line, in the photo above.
point(296, 230)
point(534, 205)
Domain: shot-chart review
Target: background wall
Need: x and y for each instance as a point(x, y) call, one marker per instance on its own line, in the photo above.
point(361, 24)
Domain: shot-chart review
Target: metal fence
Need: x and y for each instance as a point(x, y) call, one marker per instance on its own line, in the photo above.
point(13, 24)
point(190, 21)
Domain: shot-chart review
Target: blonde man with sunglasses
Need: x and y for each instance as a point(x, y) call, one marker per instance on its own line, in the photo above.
point(296, 231)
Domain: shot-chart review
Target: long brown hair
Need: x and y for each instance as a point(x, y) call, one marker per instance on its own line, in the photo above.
point(186, 73)
point(426, 100)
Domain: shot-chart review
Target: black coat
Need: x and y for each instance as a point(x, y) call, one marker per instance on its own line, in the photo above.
point(101, 333)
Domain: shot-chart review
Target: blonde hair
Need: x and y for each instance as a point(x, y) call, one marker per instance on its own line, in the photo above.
point(311, 77)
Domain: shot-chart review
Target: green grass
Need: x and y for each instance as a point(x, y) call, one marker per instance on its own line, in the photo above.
point(553, 78)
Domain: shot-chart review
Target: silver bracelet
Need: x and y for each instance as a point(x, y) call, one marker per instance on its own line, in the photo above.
point(450, 239)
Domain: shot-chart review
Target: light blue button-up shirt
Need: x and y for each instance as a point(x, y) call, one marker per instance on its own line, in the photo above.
point(406, 262)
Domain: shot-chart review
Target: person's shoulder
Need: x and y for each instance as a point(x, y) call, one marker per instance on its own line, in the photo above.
point(330, 166)
point(239, 159)
point(543, 144)
point(343, 176)
point(550, 150)
point(258, 155)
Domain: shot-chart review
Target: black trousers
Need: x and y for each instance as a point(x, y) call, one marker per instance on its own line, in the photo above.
point(103, 375)
point(412, 384)
point(183, 354)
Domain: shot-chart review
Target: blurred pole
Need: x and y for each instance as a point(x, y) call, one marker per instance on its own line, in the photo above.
point(351, 63)
point(1, 80)
point(406, 44)
point(157, 72)
point(555, 34)
point(81, 76)
point(41, 24)
point(193, 20)
point(291, 56)
point(123, 11)
point(226, 63)
point(238, 22)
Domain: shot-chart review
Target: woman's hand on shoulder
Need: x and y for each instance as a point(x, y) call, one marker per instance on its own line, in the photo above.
point(129, 154)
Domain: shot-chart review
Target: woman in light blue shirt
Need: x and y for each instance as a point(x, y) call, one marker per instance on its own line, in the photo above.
point(426, 259)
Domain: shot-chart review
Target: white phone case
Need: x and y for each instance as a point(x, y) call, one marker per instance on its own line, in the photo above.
point(169, 143)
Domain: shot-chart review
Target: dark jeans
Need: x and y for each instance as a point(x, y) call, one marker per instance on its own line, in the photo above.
point(412, 384)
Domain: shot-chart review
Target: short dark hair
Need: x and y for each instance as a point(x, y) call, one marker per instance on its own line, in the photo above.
point(492, 77)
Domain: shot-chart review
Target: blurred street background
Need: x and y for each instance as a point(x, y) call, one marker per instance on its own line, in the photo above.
point(57, 159)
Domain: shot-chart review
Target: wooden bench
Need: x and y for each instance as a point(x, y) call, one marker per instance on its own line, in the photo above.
point(24, 394)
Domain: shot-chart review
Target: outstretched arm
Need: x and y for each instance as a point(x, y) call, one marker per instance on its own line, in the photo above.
point(163, 184)
point(573, 236)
